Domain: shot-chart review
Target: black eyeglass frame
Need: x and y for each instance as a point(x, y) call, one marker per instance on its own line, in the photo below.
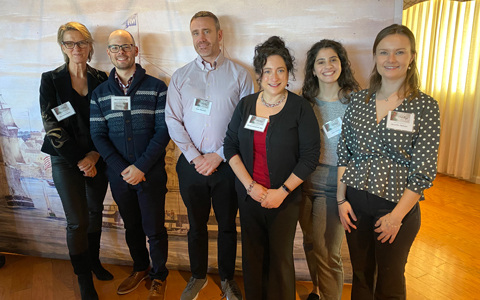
point(79, 44)
point(124, 47)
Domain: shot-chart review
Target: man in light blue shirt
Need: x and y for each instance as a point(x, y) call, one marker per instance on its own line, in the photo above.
point(200, 102)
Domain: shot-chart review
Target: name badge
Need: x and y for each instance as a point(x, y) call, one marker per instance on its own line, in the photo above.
point(256, 123)
point(202, 106)
point(333, 128)
point(400, 121)
point(121, 103)
point(63, 111)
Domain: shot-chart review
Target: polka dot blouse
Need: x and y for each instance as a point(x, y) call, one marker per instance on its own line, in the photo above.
point(385, 161)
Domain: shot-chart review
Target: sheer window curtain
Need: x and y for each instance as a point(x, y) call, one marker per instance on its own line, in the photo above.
point(448, 58)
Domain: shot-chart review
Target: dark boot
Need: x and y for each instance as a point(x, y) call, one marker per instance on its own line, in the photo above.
point(82, 268)
point(94, 252)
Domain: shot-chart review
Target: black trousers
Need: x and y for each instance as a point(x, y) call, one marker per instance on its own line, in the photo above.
point(142, 208)
point(200, 193)
point(378, 268)
point(82, 199)
point(267, 249)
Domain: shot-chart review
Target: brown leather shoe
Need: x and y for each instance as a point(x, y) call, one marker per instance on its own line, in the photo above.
point(132, 282)
point(157, 290)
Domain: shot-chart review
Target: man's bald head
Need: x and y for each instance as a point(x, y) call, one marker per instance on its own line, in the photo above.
point(122, 50)
point(121, 32)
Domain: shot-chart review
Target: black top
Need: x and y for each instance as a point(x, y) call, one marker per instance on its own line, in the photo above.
point(81, 104)
point(292, 142)
point(69, 138)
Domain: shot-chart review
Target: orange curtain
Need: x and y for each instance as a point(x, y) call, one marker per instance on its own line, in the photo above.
point(448, 38)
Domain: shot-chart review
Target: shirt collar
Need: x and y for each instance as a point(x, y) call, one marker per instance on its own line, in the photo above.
point(124, 87)
point(206, 66)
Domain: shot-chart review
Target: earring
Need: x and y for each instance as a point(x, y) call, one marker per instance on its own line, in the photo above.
point(409, 67)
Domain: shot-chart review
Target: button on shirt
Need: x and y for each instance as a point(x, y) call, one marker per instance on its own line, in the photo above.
point(224, 83)
point(385, 161)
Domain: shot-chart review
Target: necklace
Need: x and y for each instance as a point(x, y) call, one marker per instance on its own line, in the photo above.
point(274, 104)
point(386, 99)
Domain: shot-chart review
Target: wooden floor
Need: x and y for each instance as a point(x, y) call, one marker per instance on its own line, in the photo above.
point(444, 262)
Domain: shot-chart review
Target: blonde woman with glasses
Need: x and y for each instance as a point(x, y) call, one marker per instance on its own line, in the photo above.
point(77, 168)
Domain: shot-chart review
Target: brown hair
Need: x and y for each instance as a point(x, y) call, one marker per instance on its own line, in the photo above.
point(346, 80)
point(411, 85)
point(83, 31)
point(273, 46)
point(207, 14)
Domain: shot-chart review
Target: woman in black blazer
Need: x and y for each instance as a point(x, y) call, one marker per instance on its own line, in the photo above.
point(77, 169)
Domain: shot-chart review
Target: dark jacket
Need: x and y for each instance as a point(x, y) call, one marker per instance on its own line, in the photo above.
point(138, 136)
point(292, 142)
point(62, 138)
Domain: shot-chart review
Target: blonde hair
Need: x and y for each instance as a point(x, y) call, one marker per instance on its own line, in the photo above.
point(83, 31)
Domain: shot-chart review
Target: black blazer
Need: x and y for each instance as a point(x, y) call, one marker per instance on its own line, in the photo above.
point(61, 138)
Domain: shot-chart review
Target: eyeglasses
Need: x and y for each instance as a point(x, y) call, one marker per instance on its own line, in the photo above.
point(124, 47)
point(81, 44)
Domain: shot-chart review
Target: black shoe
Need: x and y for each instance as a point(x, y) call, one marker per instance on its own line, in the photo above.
point(87, 289)
point(94, 251)
point(313, 296)
point(83, 269)
point(101, 273)
point(2, 260)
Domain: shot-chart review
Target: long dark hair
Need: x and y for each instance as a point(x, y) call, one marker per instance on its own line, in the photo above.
point(273, 46)
point(411, 84)
point(346, 81)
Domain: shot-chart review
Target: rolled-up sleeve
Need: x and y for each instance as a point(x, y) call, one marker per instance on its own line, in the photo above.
point(423, 166)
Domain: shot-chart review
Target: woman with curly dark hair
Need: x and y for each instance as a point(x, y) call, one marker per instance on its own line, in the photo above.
point(272, 145)
point(328, 83)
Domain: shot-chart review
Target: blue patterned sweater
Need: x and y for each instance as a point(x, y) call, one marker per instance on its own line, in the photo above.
point(137, 136)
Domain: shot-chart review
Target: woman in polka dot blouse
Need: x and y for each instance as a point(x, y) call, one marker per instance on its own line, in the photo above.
point(387, 157)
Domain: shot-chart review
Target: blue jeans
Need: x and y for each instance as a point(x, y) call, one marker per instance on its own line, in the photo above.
point(322, 231)
point(82, 199)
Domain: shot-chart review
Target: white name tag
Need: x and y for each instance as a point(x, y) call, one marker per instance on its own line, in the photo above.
point(202, 106)
point(63, 111)
point(256, 123)
point(333, 128)
point(400, 121)
point(121, 103)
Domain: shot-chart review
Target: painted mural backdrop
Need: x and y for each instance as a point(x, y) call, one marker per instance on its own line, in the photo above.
point(32, 220)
